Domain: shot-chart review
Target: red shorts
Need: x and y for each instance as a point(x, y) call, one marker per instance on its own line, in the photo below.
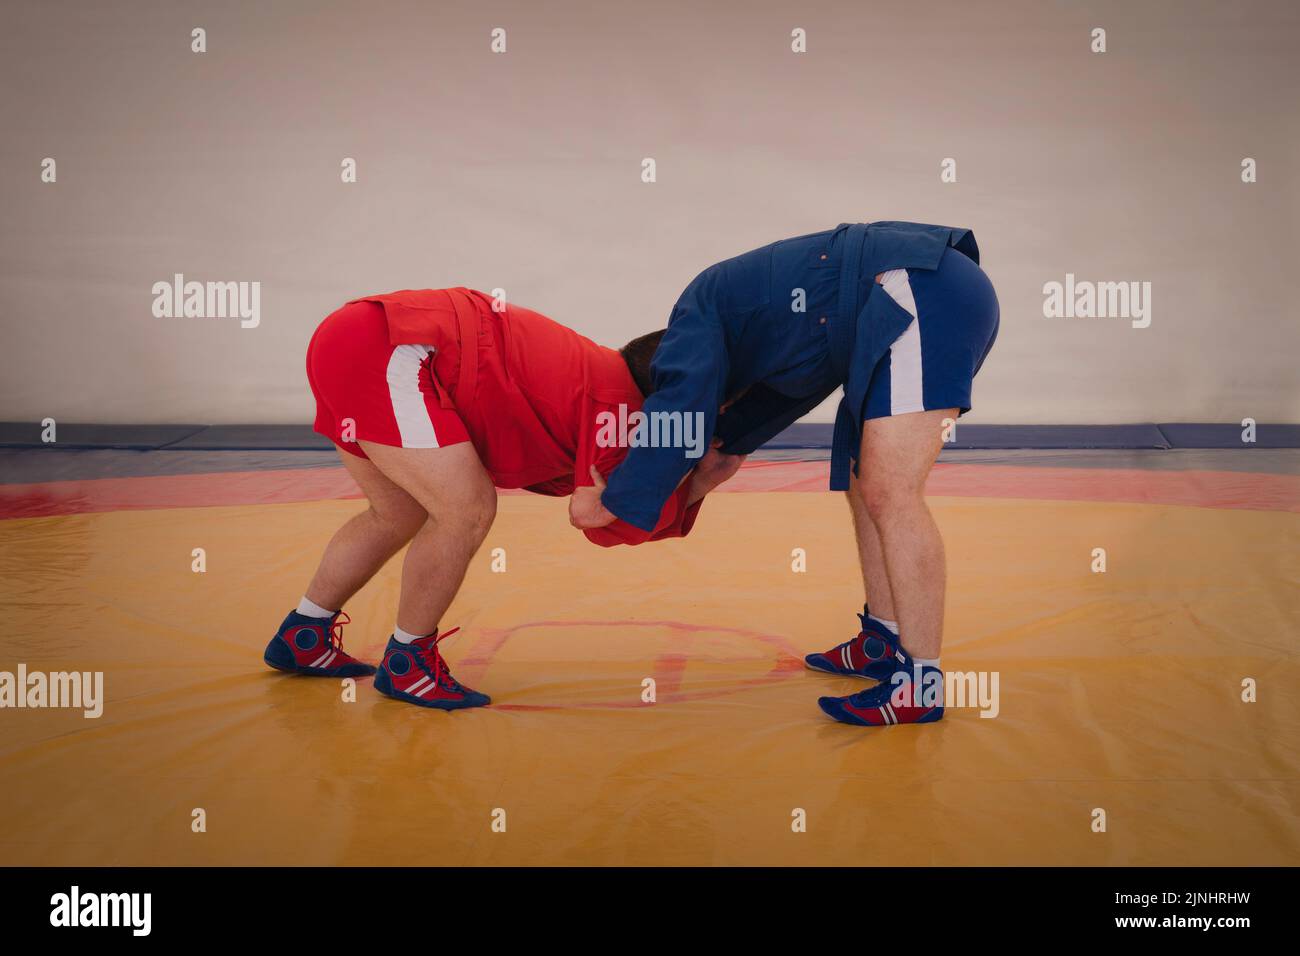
point(370, 390)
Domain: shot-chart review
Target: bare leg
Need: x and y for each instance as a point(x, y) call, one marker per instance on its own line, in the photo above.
point(871, 556)
point(460, 502)
point(365, 543)
point(897, 455)
point(875, 575)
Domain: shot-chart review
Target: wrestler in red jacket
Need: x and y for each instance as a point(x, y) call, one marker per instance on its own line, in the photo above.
point(435, 398)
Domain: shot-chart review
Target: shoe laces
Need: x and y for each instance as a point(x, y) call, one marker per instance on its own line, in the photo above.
point(876, 696)
point(433, 660)
point(334, 634)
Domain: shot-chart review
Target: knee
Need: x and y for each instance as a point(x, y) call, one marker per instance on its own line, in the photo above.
point(400, 522)
point(888, 499)
point(486, 513)
point(479, 511)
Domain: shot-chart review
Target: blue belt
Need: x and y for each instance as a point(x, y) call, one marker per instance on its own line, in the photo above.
point(841, 337)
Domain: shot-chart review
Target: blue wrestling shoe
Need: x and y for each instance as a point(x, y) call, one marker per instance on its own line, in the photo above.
point(895, 700)
point(418, 674)
point(313, 646)
point(874, 654)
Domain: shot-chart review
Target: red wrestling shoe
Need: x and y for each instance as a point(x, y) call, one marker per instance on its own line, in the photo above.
point(417, 674)
point(313, 646)
point(874, 654)
point(903, 698)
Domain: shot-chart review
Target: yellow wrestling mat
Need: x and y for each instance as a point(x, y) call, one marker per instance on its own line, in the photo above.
point(1120, 691)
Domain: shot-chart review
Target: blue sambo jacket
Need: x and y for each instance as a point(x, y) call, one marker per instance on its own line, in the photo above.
point(782, 327)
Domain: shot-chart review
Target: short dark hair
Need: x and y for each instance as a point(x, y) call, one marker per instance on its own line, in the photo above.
point(637, 354)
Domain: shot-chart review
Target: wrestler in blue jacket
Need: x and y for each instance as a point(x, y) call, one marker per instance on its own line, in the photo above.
point(777, 330)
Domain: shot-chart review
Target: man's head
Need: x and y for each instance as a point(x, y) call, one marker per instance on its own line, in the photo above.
point(637, 354)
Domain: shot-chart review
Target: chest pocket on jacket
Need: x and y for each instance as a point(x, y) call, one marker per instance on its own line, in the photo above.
point(806, 279)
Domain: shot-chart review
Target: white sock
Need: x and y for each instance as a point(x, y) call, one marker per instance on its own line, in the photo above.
point(892, 625)
point(927, 662)
point(404, 637)
point(308, 608)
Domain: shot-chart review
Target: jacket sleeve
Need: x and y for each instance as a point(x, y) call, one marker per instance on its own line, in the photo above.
point(676, 521)
point(689, 373)
point(760, 415)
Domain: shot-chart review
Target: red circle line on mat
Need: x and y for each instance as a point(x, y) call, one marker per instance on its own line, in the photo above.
point(668, 669)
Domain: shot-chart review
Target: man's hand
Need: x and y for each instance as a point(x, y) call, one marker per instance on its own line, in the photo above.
point(714, 468)
point(585, 508)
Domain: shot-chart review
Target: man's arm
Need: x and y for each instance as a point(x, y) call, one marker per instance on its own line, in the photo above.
point(689, 372)
point(676, 520)
point(760, 415)
point(714, 468)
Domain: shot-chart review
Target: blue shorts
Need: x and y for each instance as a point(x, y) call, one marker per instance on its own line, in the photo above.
point(933, 363)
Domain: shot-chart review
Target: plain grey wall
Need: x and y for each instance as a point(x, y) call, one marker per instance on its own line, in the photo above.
point(522, 171)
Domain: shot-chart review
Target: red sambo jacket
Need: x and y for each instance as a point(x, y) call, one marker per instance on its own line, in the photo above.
point(529, 391)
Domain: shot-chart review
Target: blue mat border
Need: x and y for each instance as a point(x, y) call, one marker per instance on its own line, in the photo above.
point(810, 435)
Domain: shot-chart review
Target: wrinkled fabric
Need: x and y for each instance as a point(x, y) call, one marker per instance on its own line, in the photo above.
point(735, 334)
point(530, 392)
point(1121, 691)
